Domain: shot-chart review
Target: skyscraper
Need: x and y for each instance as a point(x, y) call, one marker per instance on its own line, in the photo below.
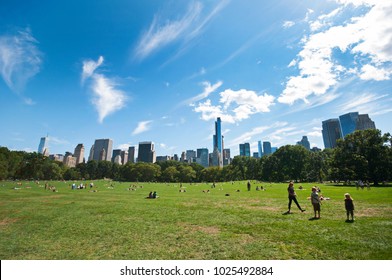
point(146, 152)
point(364, 122)
point(116, 152)
point(217, 146)
point(331, 132)
point(43, 146)
point(217, 139)
point(245, 149)
point(260, 150)
point(102, 149)
point(304, 142)
point(190, 156)
point(79, 153)
point(267, 148)
point(348, 123)
point(131, 154)
point(202, 157)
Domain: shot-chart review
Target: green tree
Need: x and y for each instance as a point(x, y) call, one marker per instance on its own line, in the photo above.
point(364, 155)
point(170, 174)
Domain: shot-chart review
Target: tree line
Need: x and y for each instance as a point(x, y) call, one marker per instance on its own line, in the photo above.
point(363, 155)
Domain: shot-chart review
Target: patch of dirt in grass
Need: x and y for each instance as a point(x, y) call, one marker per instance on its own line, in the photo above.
point(7, 221)
point(372, 212)
point(205, 229)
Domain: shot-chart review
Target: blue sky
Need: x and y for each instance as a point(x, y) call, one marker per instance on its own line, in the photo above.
point(163, 71)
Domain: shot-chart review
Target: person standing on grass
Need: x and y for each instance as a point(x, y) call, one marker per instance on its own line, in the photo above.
point(248, 185)
point(293, 197)
point(349, 205)
point(314, 198)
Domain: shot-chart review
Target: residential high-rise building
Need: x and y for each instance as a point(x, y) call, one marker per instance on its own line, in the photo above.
point(348, 123)
point(217, 139)
point(331, 132)
point(131, 154)
point(304, 142)
point(260, 150)
point(91, 155)
point(226, 157)
point(146, 152)
point(364, 122)
point(43, 146)
point(202, 157)
point(267, 150)
point(116, 152)
point(124, 157)
point(216, 158)
point(79, 153)
point(245, 149)
point(190, 156)
point(103, 149)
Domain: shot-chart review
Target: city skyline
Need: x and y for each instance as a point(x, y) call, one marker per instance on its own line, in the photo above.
point(164, 72)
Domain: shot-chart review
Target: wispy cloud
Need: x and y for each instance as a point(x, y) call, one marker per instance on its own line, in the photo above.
point(183, 30)
point(20, 59)
point(107, 99)
point(142, 127)
point(89, 67)
point(367, 102)
point(208, 89)
point(160, 35)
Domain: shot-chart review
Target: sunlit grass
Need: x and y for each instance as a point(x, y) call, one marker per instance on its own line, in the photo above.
point(117, 223)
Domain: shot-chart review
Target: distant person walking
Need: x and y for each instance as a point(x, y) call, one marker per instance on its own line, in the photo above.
point(314, 198)
point(293, 197)
point(248, 185)
point(349, 205)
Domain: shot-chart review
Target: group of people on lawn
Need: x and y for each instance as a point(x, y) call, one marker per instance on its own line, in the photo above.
point(315, 199)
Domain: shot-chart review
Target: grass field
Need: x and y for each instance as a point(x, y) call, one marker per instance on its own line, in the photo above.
point(115, 223)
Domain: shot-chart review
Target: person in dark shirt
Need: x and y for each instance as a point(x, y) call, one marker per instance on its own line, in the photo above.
point(349, 205)
point(293, 197)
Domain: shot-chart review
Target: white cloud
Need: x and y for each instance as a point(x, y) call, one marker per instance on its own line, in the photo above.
point(288, 24)
point(208, 89)
point(369, 72)
point(142, 127)
point(159, 35)
point(20, 59)
point(106, 99)
point(235, 106)
point(364, 103)
point(368, 36)
point(89, 66)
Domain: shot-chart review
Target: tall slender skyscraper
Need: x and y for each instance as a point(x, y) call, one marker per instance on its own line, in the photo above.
point(217, 140)
point(217, 148)
point(331, 132)
point(103, 149)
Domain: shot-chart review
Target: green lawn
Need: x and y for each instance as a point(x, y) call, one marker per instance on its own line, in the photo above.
point(117, 223)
